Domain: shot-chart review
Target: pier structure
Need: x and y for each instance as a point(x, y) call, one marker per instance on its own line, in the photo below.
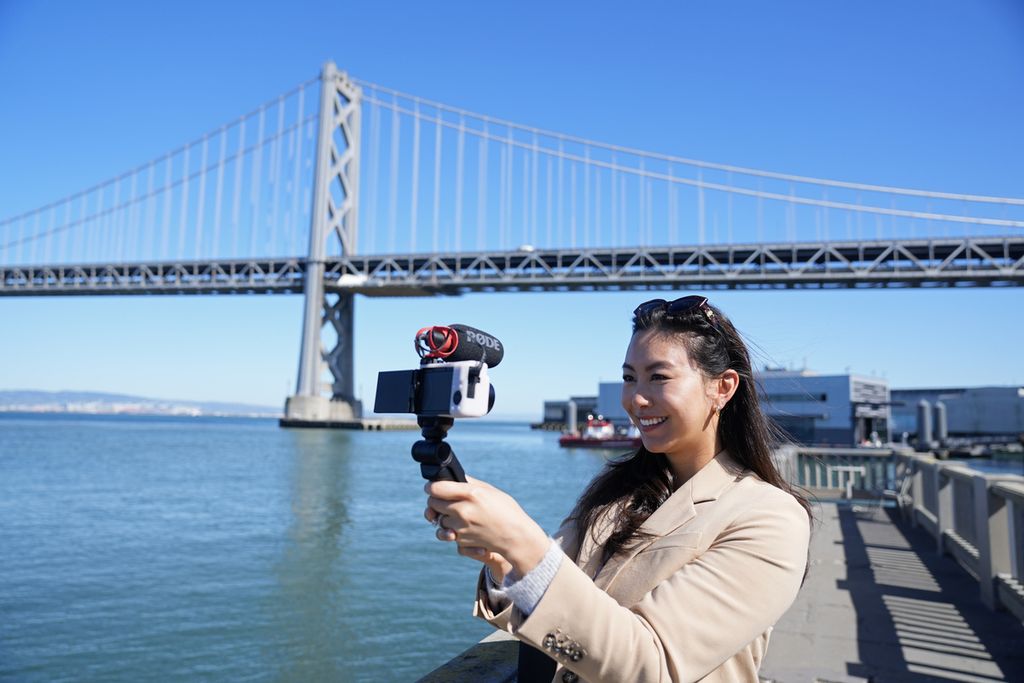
point(915, 576)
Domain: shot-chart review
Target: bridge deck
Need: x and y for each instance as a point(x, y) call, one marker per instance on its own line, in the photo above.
point(970, 261)
point(879, 605)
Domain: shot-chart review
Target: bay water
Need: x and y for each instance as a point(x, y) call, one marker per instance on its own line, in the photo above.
point(997, 463)
point(183, 549)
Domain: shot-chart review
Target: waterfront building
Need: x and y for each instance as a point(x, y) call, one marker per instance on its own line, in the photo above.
point(554, 411)
point(609, 403)
point(970, 411)
point(827, 410)
point(557, 412)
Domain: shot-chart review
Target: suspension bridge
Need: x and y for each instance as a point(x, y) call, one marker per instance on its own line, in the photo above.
point(341, 187)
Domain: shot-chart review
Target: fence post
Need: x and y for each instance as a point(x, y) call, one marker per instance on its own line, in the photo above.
point(1016, 537)
point(945, 502)
point(992, 535)
point(916, 489)
point(943, 508)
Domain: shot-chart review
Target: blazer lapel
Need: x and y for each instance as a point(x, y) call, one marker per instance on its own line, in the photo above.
point(673, 513)
point(679, 509)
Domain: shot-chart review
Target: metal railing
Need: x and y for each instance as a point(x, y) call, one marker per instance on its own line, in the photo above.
point(865, 472)
point(976, 518)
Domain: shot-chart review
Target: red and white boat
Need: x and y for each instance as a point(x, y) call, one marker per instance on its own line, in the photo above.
point(600, 433)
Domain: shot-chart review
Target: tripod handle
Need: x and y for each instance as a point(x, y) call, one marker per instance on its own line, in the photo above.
point(451, 471)
point(437, 461)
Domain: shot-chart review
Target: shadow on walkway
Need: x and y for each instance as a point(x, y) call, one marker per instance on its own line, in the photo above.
point(919, 615)
point(879, 604)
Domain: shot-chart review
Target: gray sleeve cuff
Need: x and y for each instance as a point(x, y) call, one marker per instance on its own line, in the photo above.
point(525, 592)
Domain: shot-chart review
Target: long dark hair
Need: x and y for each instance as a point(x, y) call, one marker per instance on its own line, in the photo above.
point(639, 483)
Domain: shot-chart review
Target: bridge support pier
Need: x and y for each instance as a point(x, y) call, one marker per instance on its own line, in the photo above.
point(318, 411)
point(333, 231)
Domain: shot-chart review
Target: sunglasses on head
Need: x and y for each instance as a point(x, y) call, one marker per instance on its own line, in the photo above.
point(678, 308)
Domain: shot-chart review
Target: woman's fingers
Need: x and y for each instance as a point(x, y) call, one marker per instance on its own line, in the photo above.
point(476, 515)
point(440, 506)
point(498, 564)
point(478, 482)
point(451, 490)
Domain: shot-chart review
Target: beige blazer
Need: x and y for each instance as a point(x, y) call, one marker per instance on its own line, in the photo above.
point(697, 601)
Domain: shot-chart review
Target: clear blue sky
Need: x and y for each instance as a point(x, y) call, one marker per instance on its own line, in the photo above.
point(926, 94)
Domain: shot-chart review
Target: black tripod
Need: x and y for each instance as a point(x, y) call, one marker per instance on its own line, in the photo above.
point(435, 456)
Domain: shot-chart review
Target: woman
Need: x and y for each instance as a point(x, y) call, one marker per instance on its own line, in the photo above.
point(676, 561)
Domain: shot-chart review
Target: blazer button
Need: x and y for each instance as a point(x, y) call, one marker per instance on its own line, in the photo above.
point(549, 641)
point(570, 677)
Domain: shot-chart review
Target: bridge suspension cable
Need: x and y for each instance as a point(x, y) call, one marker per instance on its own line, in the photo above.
point(238, 191)
point(541, 189)
point(438, 179)
point(398, 95)
point(587, 163)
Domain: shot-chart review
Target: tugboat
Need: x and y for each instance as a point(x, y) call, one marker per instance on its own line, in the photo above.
point(600, 433)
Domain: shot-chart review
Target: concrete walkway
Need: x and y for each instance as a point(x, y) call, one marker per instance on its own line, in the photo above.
point(879, 604)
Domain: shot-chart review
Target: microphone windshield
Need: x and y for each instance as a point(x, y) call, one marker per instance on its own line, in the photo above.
point(476, 345)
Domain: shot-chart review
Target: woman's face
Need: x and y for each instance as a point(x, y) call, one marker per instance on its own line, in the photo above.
point(667, 398)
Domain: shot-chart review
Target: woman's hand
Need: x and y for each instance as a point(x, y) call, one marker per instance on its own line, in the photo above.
point(487, 524)
point(497, 564)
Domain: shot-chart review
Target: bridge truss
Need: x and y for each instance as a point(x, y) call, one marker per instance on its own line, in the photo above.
point(879, 263)
point(984, 262)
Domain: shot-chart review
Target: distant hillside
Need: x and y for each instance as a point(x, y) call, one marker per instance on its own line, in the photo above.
point(101, 402)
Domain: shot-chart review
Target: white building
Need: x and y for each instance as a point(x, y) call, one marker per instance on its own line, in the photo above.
point(970, 411)
point(832, 410)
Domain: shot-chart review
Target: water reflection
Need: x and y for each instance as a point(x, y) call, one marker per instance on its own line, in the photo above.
point(310, 577)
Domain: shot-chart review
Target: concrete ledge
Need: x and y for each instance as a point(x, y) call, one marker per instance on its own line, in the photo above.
point(1011, 595)
point(963, 552)
point(492, 660)
point(927, 520)
point(373, 424)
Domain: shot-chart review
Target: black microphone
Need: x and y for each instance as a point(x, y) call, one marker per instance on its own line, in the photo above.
point(476, 345)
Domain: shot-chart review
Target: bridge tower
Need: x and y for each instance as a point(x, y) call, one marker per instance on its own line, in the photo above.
point(334, 216)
